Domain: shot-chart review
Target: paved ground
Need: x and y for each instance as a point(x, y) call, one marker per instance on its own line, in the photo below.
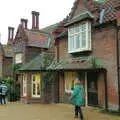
point(19, 111)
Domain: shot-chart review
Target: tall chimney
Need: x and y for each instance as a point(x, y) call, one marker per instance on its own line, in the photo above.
point(91, 3)
point(35, 20)
point(24, 23)
point(10, 35)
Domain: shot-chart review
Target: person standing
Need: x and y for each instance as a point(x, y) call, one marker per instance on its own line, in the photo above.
point(0, 92)
point(4, 90)
point(77, 98)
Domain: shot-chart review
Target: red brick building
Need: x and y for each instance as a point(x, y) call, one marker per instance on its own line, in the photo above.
point(32, 48)
point(6, 56)
point(87, 47)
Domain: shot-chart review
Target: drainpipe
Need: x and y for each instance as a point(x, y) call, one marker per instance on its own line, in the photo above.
point(57, 45)
point(58, 76)
point(118, 74)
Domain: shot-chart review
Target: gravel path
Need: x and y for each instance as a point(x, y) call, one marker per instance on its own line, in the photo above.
point(19, 111)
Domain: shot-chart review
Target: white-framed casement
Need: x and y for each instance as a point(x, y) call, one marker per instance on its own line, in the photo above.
point(36, 85)
point(79, 37)
point(24, 84)
point(18, 58)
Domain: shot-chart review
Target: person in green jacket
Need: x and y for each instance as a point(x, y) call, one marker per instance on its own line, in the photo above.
point(77, 98)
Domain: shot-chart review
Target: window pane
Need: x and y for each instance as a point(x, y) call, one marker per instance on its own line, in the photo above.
point(76, 29)
point(33, 78)
point(83, 27)
point(24, 90)
point(77, 41)
point(83, 39)
point(18, 58)
point(71, 42)
point(89, 39)
point(33, 89)
point(71, 30)
point(38, 89)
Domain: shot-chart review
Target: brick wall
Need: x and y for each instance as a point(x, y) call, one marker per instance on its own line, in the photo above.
point(1, 65)
point(7, 67)
point(30, 53)
point(101, 90)
point(61, 87)
point(49, 91)
point(80, 7)
point(104, 47)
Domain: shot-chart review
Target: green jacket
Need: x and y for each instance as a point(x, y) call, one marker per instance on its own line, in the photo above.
point(78, 95)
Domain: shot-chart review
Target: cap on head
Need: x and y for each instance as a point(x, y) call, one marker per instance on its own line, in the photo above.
point(3, 81)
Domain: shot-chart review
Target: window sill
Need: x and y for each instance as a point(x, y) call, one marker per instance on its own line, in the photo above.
point(35, 97)
point(80, 50)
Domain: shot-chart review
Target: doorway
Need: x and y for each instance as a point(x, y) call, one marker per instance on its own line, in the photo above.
point(92, 88)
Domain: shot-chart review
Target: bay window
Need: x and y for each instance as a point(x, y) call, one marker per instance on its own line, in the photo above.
point(18, 58)
point(79, 37)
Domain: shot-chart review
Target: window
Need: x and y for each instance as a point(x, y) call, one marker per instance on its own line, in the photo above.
point(69, 81)
point(18, 58)
point(79, 37)
point(24, 85)
point(36, 85)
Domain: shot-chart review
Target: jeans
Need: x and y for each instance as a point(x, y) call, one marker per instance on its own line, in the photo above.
point(2, 99)
point(78, 110)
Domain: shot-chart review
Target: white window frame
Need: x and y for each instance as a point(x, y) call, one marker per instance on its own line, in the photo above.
point(36, 82)
point(69, 78)
point(18, 58)
point(72, 43)
point(24, 85)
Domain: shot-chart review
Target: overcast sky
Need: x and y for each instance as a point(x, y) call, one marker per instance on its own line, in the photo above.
point(51, 11)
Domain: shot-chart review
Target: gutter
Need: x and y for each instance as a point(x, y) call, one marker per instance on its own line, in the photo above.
point(118, 70)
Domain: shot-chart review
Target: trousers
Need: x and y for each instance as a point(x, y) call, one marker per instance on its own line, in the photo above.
point(78, 110)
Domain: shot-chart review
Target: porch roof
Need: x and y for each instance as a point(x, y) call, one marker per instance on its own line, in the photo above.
point(78, 63)
point(39, 63)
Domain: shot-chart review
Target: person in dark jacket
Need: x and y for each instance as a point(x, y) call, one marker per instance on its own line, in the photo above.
point(77, 98)
point(3, 93)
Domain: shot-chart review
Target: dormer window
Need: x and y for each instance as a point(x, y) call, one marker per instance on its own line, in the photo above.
point(18, 58)
point(79, 37)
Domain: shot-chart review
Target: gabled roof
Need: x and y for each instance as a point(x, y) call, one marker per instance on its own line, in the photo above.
point(34, 38)
point(110, 6)
point(38, 38)
point(79, 17)
point(39, 63)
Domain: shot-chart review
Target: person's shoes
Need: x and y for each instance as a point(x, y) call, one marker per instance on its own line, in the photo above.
point(82, 119)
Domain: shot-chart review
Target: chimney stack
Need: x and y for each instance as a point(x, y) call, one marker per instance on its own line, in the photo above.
point(10, 35)
point(91, 3)
point(24, 23)
point(35, 20)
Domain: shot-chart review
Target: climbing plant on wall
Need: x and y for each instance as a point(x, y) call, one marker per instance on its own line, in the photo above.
point(94, 62)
